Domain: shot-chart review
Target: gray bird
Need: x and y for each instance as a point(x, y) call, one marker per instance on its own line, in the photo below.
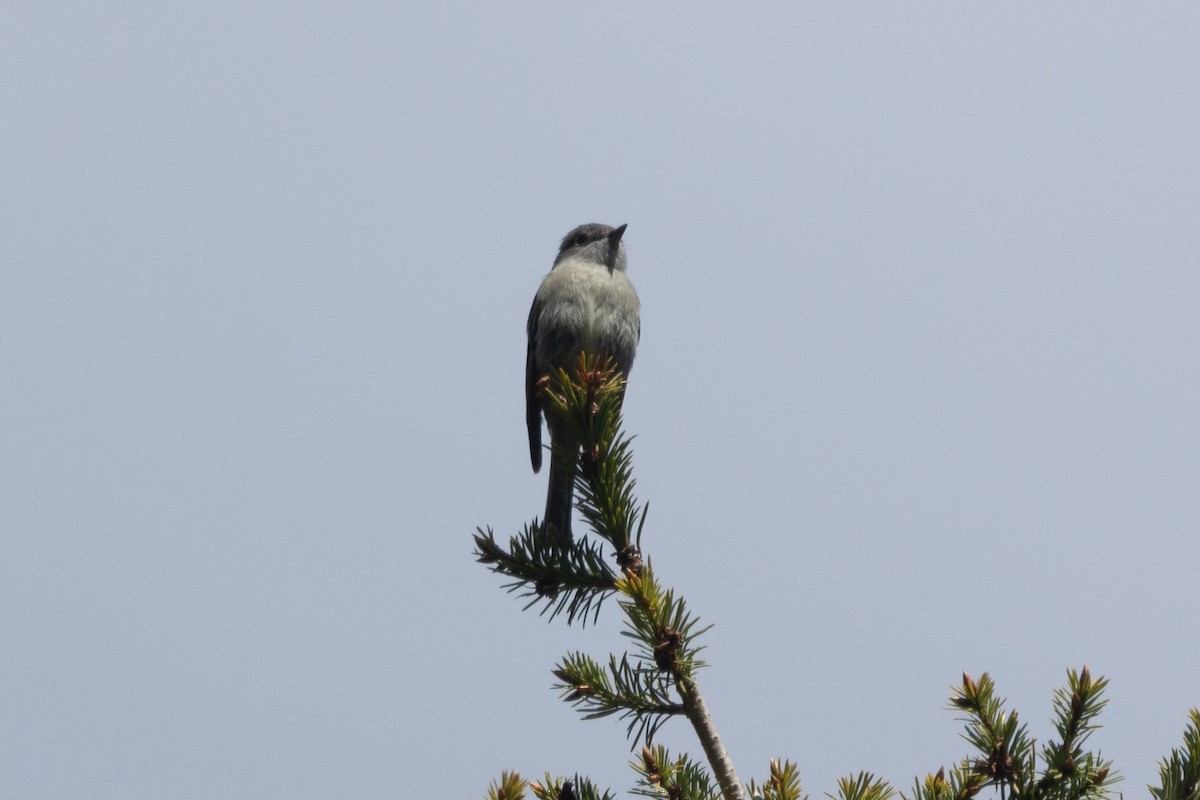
point(586, 303)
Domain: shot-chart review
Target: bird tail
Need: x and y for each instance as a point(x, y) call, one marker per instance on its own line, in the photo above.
point(561, 493)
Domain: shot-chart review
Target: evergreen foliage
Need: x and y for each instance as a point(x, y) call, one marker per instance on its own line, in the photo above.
point(657, 680)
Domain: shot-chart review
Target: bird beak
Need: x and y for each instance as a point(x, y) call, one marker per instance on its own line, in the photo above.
point(614, 245)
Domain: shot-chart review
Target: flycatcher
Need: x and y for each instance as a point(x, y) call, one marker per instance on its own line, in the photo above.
point(585, 304)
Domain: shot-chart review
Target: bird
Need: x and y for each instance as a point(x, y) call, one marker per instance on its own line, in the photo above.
point(584, 304)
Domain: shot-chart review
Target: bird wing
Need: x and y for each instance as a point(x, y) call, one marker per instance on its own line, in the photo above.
point(533, 409)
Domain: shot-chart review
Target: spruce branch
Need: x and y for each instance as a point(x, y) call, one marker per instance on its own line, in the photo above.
point(665, 633)
point(863, 786)
point(590, 402)
point(1004, 746)
point(508, 787)
point(657, 680)
point(572, 578)
point(963, 784)
point(1072, 773)
point(630, 690)
point(1006, 755)
point(783, 784)
point(1179, 773)
point(710, 740)
point(658, 621)
point(575, 577)
point(660, 776)
point(574, 788)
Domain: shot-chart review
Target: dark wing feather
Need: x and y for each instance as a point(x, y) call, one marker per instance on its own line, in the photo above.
point(533, 409)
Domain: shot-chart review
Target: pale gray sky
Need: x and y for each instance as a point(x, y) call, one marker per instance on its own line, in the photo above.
point(916, 394)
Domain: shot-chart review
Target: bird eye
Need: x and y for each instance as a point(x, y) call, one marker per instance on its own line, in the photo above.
point(580, 239)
